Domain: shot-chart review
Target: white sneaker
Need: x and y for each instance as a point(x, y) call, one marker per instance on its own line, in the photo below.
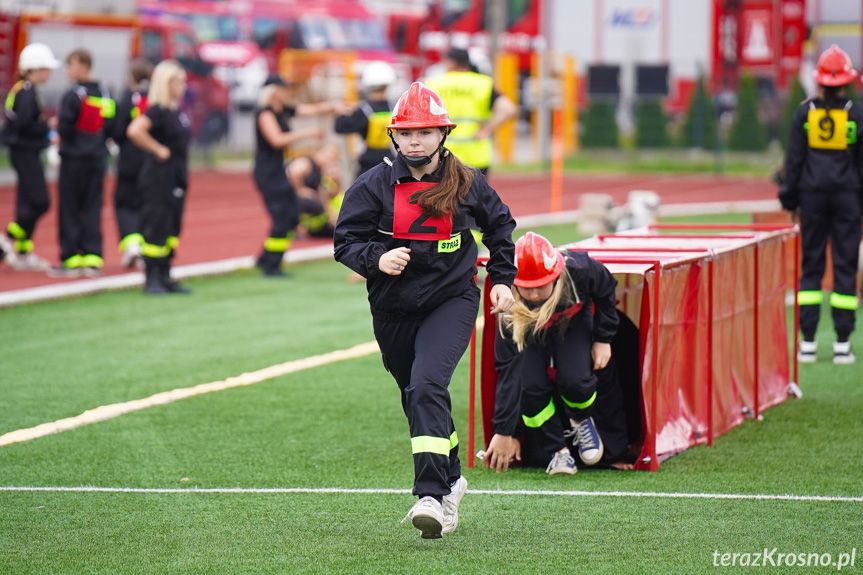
point(427, 516)
point(450, 505)
point(8, 248)
point(562, 463)
point(807, 351)
point(842, 353)
point(29, 262)
point(131, 255)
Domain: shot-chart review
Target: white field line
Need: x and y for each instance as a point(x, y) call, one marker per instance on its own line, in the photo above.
point(511, 492)
point(104, 412)
point(113, 410)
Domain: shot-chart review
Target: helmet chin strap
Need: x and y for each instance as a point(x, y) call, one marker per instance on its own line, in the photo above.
point(422, 161)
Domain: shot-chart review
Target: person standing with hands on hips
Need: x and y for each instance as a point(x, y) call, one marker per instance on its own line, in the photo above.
point(562, 322)
point(163, 132)
point(824, 184)
point(403, 226)
point(27, 132)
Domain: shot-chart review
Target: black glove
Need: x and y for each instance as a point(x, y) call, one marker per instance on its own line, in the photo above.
point(790, 201)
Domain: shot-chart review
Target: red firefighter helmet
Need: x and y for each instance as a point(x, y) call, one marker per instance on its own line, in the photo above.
point(537, 260)
point(420, 107)
point(834, 68)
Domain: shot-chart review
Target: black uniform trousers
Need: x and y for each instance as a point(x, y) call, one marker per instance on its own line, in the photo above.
point(161, 209)
point(32, 200)
point(80, 189)
point(127, 205)
point(283, 206)
point(422, 354)
point(574, 383)
point(837, 216)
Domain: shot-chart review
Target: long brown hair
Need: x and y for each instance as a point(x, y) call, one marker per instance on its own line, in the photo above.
point(447, 195)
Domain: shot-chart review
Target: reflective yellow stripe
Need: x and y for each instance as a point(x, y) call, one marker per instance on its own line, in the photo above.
point(151, 251)
point(540, 418)
point(276, 244)
point(336, 202)
point(73, 262)
point(428, 444)
point(809, 297)
point(23, 246)
point(10, 97)
point(16, 231)
point(172, 242)
point(453, 440)
point(107, 106)
point(92, 261)
point(841, 301)
point(130, 240)
point(575, 405)
point(314, 223)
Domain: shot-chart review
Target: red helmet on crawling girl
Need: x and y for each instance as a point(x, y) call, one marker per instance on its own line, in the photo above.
point(420, 107)
point(538, 262)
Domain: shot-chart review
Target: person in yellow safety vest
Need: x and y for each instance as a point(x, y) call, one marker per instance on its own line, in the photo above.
point(27, 132)
point(475, 106)
point(824, 185)
point(371, 116)
point(85, 120)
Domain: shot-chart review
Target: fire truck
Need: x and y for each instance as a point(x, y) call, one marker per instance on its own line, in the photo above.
point(245, 40)
point(115, 38)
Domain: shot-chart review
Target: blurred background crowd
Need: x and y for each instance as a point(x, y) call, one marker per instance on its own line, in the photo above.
point(710, 74)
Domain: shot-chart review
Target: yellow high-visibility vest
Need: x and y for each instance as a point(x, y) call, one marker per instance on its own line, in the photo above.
point(467, 96)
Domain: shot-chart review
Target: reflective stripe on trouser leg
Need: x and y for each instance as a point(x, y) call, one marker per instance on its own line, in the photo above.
point(16, 231)
point(540, 418)
point(154, 251)
point(810, 311)
point(91, 261)
point(130, 240)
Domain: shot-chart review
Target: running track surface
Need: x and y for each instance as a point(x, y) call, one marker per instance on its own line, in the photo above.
point(225, 217)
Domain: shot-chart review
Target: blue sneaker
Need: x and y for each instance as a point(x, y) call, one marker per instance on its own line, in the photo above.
point(587, 441)
point(562, 463)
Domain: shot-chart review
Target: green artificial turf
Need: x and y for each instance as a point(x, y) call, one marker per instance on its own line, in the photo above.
point(341, 426)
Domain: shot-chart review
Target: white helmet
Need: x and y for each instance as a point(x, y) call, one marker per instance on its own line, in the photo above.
point(36, 56)
point(378, 74)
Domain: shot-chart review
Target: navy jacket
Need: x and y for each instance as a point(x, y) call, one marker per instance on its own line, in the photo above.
point(75, 143)
point(596, 287)
point(809, 170)
point(364, 233)
point(25, 126)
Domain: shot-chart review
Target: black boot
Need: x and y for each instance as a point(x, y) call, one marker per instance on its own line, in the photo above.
point(153, 284)
point(171, 285)
point(271, 263)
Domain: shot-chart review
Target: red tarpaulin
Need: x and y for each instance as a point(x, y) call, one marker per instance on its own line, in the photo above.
point(711, 312)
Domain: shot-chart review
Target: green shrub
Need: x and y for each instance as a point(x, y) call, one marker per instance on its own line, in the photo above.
point(600, 125)
point(651, 125)
point(699, 125)
point(747, 132)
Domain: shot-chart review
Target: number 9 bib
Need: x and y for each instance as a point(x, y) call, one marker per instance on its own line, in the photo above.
point(828, 129)
point(410, 223)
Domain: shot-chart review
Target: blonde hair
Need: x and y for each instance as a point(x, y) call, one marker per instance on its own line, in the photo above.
point(159, 93)
point(266, 95)
point(524, 322)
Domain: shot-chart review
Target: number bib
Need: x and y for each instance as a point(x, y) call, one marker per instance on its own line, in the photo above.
point(828, 131)
point(410, 223)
